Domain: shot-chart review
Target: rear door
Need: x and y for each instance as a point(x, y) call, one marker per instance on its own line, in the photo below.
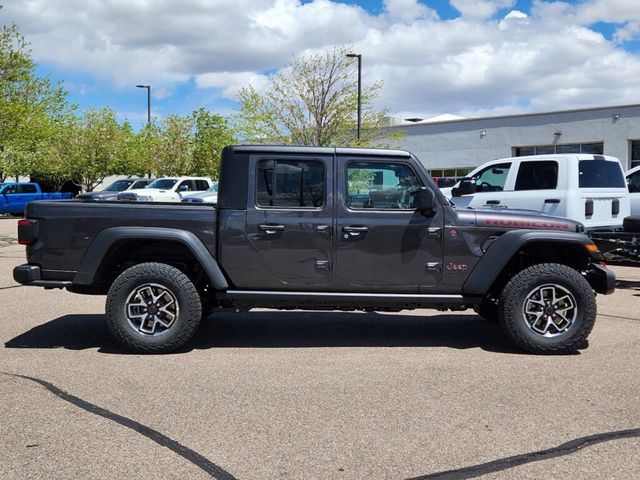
point(540, 185)
point(382, 242)
point(289, 222)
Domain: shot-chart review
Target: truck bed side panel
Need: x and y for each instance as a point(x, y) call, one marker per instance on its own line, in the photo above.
point(66, 229)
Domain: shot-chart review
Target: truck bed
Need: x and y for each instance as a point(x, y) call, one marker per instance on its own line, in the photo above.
point(70, 227)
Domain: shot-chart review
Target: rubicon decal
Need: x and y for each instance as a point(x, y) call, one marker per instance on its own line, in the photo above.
point(540, 224)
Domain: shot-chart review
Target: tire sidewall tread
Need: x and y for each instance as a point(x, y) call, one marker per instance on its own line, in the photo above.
point(188, 298)
point(515, 293)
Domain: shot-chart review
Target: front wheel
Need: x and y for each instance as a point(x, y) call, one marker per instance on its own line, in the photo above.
point(153, 308)
point(548, 308)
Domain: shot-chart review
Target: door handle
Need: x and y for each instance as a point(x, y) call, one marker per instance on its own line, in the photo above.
point(493, 202)
point(354, 229)
point(552, 200)
point(323, 229)
point(270, 229)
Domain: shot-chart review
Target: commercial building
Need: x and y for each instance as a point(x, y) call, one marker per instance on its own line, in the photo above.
point(452, 147)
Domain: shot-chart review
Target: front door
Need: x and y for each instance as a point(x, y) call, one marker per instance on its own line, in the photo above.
point(382, 242)
point(289, 222)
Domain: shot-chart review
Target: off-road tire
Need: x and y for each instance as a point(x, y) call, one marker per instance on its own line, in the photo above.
point(185, 294)
point(515, 294)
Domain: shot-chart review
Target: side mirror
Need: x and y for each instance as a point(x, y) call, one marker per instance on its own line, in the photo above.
point(183, 188)
point(426, 200)
point(467, 187)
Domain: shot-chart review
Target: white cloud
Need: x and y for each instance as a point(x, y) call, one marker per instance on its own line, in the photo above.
point(547, 59)
point(408, 10)
point(480, 8)
point(232, 82)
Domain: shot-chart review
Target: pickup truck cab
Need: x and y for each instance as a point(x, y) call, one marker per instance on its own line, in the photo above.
point(586, 188)
point(14, 196)
point(317, 228)
point(170, 189)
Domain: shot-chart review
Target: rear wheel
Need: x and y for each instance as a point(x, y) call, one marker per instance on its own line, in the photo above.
point(548, 308)
point(153, 308)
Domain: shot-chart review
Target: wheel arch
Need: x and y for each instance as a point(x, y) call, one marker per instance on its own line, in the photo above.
point(516, 250)
point(114, 244)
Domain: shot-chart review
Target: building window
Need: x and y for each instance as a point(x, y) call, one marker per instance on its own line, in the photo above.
point(595, 148)
point(448, 177)
point(635, 153)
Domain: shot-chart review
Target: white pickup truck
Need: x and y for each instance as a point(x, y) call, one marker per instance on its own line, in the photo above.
point(170, 189)
point(590, 189)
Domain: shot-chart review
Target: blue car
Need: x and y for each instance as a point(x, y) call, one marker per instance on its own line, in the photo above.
point(14, 196)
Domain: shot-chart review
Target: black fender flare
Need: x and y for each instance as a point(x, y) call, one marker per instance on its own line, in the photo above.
point(502, 250)
point(95, 254)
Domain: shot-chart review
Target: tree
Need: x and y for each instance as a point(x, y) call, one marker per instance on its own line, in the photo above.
point(211, 134)
point(312, 102)
point(29, 106)
point(91, 147)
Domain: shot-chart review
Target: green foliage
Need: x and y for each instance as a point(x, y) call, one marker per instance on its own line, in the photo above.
point(188, 145)
point(312, 102)
point(30, 107)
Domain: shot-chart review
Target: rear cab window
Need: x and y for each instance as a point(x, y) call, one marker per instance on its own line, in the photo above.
point(600, 174)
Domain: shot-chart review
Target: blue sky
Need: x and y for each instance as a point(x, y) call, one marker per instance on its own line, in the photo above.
point(465, 57)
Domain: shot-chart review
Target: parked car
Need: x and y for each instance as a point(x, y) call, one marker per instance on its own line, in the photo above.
point(111, 192)
point(210, 196)
point(317, 228)
point(633, 184)
point(170, 189)
point(590, 189)
point(14, 196)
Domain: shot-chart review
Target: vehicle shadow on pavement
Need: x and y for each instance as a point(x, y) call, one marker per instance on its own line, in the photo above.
point(628, 284)
point(269, 329)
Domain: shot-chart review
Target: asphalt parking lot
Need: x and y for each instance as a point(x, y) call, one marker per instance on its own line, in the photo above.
point(300, 395)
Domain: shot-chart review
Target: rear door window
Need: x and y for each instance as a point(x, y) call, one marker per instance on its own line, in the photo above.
point(290, 183)
point(600, 174)
point(537, 175)
point(27, 189)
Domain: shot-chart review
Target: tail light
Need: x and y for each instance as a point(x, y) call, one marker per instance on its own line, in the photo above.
point(615, 207)
point(27, 231)
point(588, 208)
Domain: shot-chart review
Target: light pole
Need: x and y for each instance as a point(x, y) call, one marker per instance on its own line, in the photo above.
point(148, 87)
point(359, 57)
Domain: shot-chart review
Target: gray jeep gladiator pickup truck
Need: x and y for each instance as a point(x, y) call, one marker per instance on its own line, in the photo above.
point(316, 228)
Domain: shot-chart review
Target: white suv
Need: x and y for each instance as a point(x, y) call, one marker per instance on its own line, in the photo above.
point(169, 189)
point(590, 189)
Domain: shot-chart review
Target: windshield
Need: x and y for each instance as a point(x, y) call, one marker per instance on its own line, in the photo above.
point(118, 186)
point(214, 188)
point(600, 174)
point(163, 183)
